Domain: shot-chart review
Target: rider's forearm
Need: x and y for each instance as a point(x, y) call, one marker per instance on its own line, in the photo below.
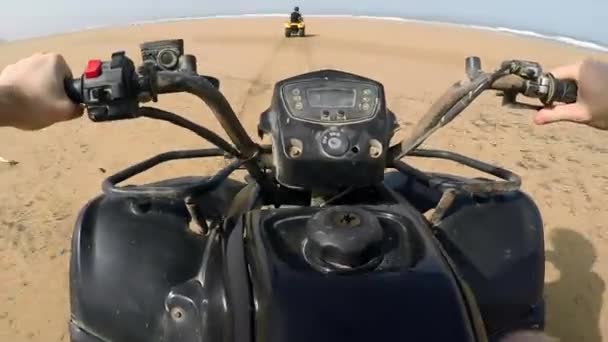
point(9, 106)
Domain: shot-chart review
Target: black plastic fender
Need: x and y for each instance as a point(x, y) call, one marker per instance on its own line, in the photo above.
point(497, 244)
point(138, 273)
point(123, 265)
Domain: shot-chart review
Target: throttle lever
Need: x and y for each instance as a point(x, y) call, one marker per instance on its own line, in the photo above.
point(510, 101)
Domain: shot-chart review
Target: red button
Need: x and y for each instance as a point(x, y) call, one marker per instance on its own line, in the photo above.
point(93, 68)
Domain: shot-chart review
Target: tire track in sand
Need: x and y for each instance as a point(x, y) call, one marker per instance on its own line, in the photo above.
point(289, 57)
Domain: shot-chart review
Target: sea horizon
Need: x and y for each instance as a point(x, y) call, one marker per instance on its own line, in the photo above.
point(518, 30)
point(538, 34)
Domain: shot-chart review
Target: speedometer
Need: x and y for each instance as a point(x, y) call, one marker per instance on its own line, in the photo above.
point(330, 129)
point(331, 101)
point(331, 97)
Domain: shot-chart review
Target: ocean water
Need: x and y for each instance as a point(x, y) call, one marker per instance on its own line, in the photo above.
point(562, 39)
point(583, 24)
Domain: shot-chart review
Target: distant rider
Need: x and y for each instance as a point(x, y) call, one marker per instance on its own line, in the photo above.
point(32, 94)
point(296, 17)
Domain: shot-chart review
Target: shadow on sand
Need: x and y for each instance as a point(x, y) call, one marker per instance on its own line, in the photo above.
point(307, 35)
point(574, 300)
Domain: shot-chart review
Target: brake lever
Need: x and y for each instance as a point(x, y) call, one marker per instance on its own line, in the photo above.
point(509, 100)
point(528, 71)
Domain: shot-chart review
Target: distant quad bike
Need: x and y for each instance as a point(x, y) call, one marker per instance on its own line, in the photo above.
point(295, 29)
point(318, 243)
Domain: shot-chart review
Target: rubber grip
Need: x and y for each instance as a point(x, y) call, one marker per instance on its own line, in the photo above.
point(566, 91)
point(73, 89)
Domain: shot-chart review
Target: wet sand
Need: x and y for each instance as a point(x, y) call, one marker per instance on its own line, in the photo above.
point(563, 166)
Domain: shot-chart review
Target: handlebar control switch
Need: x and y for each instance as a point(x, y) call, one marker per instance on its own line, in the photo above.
point(110, 89)
point(93, 68)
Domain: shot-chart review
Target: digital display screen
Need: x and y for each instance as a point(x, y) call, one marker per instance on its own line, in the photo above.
point(331, 98)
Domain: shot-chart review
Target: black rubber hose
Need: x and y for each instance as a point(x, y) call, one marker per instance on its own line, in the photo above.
point(159, 114)
point(170, 82)
point(511, 182)
point(109, 184)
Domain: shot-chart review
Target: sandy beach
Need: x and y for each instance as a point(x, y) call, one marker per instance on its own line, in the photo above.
point(564, 167)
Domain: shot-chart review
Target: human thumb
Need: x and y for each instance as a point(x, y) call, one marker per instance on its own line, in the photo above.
point(574, 112)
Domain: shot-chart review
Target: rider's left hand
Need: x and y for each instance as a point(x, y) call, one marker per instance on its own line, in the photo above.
point(32, 93)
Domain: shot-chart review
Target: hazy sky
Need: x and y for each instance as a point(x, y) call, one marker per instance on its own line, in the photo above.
point(582, 19)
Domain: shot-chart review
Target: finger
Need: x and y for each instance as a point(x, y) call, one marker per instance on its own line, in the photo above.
point(64, 65)
point(61, 65)
point(571, 112)
point(35, 59)
point(69, 110)
point(77, 112)
point(571, 71)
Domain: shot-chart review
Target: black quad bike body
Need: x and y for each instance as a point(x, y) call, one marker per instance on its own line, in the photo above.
point(319, 243)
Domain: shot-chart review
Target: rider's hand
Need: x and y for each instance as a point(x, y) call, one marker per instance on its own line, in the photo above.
point(33, 95)
point(591, 107)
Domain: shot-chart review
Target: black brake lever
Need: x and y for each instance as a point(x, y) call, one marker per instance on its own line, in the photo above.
point(530, 72)
point(509, 100)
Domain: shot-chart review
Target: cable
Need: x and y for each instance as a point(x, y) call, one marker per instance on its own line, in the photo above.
point(109, 184)
point(159, 114)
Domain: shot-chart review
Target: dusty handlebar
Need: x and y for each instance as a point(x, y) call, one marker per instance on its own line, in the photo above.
point(512, 78)
point(547, 88)
point(526, 78)
point(172, 82)
point(113, 91)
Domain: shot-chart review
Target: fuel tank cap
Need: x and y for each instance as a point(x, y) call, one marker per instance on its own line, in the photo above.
point(343, 238)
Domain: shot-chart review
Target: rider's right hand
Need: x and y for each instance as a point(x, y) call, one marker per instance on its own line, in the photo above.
point(591, 107)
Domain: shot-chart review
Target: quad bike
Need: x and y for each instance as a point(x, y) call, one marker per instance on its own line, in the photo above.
point(298, 28)
point(318, 243)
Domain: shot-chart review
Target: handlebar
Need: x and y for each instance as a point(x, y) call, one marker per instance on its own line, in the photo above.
point(172, 82)
point(512, 78)
point(113, 90)
point(548, 90)
point(71, 87)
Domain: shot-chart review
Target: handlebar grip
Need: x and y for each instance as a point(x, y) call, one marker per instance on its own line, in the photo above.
point(565, 91)
point(73, 89)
